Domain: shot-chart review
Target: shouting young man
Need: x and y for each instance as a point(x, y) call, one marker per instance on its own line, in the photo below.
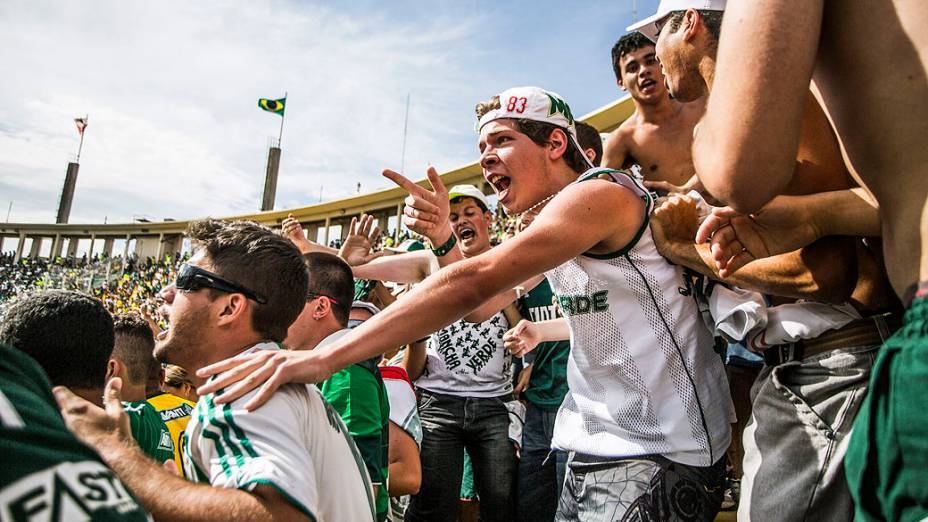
point(658, 136)
point(647, 411)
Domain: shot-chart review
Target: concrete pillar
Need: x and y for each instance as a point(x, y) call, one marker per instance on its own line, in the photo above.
point(36, 247)
point(160, 246)
point(72, 246)
point(57, 244)
point(270, 179)
point(20, 246)
point(312, 231)
point(93, 239)
point(67, 193)
point(343, 233)
point(325, 236)
point(399, 221)
point(383, 221)
point(125, 256)
point(108, 247)
point(172, 244)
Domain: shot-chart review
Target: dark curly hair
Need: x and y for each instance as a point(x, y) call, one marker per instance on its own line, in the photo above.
point(629, 43)
point(69, 334)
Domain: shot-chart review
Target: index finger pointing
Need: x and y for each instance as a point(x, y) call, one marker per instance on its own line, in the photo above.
point(437, 185)
point(402, 181)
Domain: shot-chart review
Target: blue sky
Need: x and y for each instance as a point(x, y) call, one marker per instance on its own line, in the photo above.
point(171, 89)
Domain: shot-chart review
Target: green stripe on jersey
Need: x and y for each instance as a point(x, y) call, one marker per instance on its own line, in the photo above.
point(239, 433)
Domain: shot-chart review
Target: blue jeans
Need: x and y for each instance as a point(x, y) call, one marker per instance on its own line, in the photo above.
point(541, 470)
point(449, 424)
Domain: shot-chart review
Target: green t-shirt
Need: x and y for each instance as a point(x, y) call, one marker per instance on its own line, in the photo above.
point(149, 431)
point(548, 383)
point(47, 474)
point(359, 396)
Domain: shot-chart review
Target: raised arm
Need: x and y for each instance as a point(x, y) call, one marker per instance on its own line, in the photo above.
point(291, 228)
point(745, 148)
point(410, 267)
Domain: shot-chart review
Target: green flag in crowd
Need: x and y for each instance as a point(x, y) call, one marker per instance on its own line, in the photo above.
point(275, 106)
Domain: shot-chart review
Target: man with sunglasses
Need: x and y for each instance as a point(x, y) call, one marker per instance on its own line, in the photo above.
point(293, 460)
point(357, 392)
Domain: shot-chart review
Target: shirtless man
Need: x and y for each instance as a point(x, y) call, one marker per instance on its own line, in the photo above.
point(658, 136)
point(769, 52)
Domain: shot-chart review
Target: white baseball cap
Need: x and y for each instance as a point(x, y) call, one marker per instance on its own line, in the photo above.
point(650, 26)
point(469, 191)
point(536, 104)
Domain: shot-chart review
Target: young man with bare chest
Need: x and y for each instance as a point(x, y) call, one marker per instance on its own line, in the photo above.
point(875, 91)
point(658, 136)
point(809, 450)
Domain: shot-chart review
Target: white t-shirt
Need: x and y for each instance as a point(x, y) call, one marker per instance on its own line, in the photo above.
point(468, 360)
point(404, 408)
point(642, 374)
point(295, 443)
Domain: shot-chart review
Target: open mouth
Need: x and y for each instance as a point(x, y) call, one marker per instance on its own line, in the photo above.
point(647, 84)
point(466, 233)
point(500, 184)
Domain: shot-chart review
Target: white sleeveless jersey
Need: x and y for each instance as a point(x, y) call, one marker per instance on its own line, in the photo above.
point(468, 360)
point(642, 375)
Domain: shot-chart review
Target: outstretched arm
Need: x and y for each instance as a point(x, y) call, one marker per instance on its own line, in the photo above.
point(165, 495)
point(591, 216)
point(522, 339)
point(745, 148)
point(410, 267)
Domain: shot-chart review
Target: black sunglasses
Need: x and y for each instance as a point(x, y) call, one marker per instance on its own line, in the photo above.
point(193, 278)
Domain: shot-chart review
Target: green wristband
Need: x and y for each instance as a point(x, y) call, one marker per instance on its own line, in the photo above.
point(444, 249)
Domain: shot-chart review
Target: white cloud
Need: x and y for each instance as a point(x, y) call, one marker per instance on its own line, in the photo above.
point(171, 89)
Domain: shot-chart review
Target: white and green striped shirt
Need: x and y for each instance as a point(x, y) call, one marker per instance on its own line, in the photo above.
point(295, 443)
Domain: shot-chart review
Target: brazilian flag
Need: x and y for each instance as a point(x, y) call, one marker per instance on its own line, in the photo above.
point(275, 106)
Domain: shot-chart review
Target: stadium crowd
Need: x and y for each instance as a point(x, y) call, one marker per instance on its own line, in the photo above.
point(706, 307)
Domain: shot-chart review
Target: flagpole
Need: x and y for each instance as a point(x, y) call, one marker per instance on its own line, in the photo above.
point(282, 115)
point(405, 127)
point(81, 144)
